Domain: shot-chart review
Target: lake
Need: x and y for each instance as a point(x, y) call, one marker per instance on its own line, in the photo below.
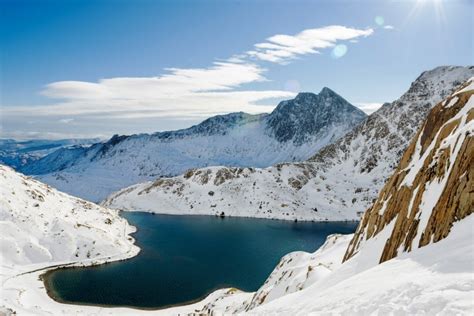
point(184, 258)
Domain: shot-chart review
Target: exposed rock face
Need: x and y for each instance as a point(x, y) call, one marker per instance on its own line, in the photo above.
point(432, 187)
point(311, 114)
point(292, 132)
point(338, 183)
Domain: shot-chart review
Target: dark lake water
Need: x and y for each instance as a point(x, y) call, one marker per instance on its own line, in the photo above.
point(184, 258)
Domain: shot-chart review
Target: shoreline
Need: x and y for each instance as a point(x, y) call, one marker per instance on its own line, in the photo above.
point(237, 216)
point(51, 294)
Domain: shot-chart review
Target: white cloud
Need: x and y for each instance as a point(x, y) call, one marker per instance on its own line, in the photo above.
point(389, 27)
point(368, 107)
point(282, 48)
point(221, 76)
point(198, 92)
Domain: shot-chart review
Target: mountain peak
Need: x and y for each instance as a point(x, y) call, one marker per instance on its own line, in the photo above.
point(309, 114)
point(305, 95)
point(325, 91)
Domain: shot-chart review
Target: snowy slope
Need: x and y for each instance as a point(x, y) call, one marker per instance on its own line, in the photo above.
point(338, 183)
point(292, 132)
point(41, 227)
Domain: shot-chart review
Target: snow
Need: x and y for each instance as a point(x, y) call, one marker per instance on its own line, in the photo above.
point(469, 87)
point(452, 102)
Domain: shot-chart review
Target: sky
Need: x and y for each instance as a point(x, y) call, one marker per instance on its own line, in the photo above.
point(74, 69)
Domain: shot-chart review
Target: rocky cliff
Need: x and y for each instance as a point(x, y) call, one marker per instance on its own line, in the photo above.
point(432, 187)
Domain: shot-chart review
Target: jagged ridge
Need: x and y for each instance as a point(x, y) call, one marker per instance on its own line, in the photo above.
point(293, 131)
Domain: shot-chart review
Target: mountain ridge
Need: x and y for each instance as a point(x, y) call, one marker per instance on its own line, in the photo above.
point(292, 132)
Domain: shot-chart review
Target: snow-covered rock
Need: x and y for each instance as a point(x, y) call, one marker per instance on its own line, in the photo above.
point(338, 183)
point(292, 132)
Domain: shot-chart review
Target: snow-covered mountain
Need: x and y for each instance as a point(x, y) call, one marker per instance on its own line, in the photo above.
point(18, 154)
point(294, 131)
point(42, 228)
point(412, 254)
point(338, 183)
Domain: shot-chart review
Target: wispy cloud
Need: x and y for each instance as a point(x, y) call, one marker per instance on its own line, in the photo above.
point(389, 27)
point(283, 48)
point(179, 93)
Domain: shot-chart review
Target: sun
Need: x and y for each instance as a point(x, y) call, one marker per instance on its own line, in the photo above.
point(436, 4)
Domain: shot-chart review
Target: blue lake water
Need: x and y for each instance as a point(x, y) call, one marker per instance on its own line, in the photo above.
point(184, 258)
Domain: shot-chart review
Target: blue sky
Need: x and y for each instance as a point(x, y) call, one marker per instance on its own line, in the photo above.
point(169, 64)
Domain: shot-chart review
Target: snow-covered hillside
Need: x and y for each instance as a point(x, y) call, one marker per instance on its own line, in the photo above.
point(292, 132)
point(338, 183)
point(41, 227)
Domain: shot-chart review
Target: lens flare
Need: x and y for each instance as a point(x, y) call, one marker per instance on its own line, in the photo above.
point(339, 51)
point(379, 20)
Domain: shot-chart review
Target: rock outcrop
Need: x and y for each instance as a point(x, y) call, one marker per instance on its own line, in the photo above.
point(432, 187)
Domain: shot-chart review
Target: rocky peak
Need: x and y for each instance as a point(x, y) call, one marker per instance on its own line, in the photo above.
point(327, 93)
point(431, 188)
point(309, 113)
point(438, 81)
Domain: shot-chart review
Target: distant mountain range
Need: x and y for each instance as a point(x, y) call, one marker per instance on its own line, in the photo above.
point(338, 183)
point(18, 154)
point(294, 131)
